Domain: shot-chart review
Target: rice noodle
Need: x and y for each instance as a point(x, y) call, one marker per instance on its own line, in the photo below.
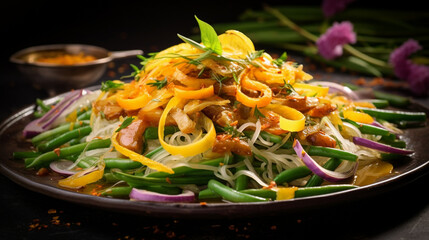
point(246, 125)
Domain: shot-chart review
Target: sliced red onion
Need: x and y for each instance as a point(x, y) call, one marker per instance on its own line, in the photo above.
point(335, 87)
point(144, 195)
point(44, 123)
point(380, 146)
point(61, 167)
point(328, 175)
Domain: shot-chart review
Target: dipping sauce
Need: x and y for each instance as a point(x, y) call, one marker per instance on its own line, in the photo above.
point(67, 59)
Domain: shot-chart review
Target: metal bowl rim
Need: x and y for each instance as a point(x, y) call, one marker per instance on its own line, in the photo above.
point(15, 57)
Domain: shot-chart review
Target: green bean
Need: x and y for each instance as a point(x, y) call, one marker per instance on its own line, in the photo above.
point(162, 189)
point(393, 99)
point(368, 129)
point(232, 195)
point(110, 178)
point(330, 152)
point(326, 152)
point(152, 132)
point(270, 194)
point(313, 191)
point(241, 181)
point(54, 132)
point(84, 116)
point(292, 174)
point(207, 194)
point(393, 115)
point(64, 138)
point(138, 181)
point(186, 170)
point(265, 135)
point(45, 108)
point(25, 154)
point(378, 103)
point(77, 141)
point(261, 192)
point(117, 192)
point(394, 143)
point(121, 163)
point(154, 151)
point(315, 180)
point(50, 156)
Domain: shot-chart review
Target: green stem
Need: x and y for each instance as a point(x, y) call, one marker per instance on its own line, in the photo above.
point(287, 22)
point(351, 50)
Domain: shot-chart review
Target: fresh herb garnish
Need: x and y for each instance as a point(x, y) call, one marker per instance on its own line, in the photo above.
point(145, 60)
point(254, 55)
point(232, 130)
point(218, 79)
point(111, 85)
point(158, 83)
point(279, 61)
point(209, 37)
point(258, 113)
point(287, 87)
point(125, 123)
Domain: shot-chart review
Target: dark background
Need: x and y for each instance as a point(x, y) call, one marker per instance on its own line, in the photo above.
point(402, 213)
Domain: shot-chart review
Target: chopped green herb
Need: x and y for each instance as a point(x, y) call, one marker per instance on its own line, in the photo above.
point(258, 113)
point(279, 61)
point(158, 83)
point(232, 130)
point(111, 85)
point(287, 87)
point(125, 123)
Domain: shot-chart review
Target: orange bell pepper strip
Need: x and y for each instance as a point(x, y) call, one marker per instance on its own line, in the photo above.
point(82, 178)
point(359, 117)
point(194, 94)
point(133, 103)
point(138, 157)
point(198, 146)
point(291, 119)
point(252, 102)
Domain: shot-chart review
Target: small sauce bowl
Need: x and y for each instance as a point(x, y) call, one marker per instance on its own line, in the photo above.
point(55, 77)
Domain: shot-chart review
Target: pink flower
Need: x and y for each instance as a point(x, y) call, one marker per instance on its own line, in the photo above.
point(416, 75)
point(330, 44)
point(331, 7)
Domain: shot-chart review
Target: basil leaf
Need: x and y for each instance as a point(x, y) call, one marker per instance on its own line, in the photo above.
point(209, 37)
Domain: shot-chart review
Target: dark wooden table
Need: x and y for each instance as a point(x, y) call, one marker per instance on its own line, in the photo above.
point(402, 213)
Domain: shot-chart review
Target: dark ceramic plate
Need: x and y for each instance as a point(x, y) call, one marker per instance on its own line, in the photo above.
point(407, 170)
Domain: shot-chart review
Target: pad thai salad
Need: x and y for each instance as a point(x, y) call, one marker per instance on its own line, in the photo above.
point(217, 121)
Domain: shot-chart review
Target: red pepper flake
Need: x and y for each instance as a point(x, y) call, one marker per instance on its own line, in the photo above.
point(221, 164)
point(294, 143)
point(167, 179)
point(203, 203)
point(272, 185)
point(303, 153)
point(57, 151)
point(234, 123)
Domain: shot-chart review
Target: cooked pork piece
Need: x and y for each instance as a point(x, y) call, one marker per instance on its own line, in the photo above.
point(226, 143)
point(320, 138)
point(221, 115)
point(131, 137)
